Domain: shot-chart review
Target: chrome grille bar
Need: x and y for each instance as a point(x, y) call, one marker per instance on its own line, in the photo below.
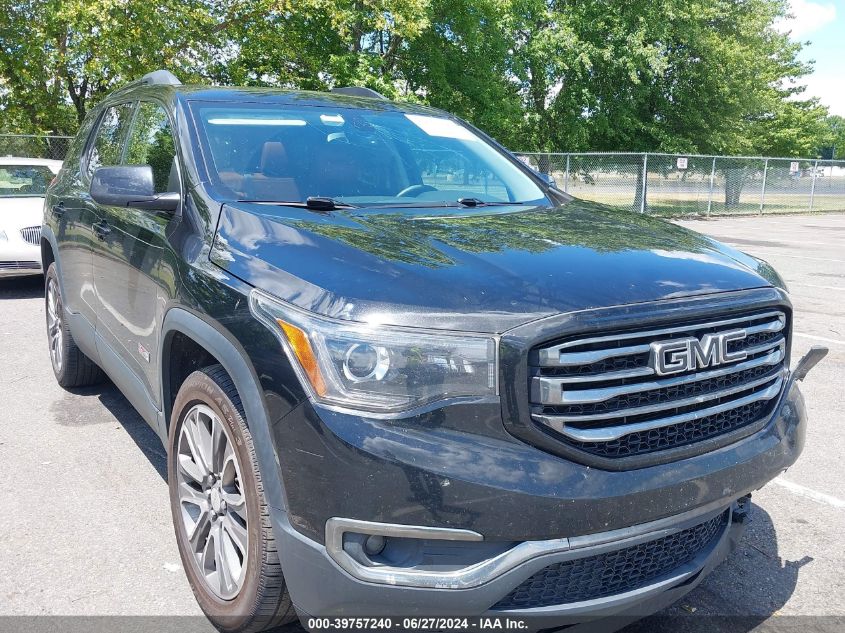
point(608, 434)
point(664, 406)
point(549, 390)
point(555, 356)
point(31, 234)
point(598, 389)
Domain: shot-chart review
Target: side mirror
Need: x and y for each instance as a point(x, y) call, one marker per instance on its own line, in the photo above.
point(130, 186)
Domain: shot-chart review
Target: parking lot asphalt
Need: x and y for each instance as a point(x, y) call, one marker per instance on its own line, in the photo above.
point(86, 524)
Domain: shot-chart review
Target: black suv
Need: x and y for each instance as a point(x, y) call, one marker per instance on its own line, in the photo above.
point(398, 373)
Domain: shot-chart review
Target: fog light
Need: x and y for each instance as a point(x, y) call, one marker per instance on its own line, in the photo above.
point(375, 544)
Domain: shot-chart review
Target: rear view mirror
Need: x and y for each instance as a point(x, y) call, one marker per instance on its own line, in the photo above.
point(130, 186)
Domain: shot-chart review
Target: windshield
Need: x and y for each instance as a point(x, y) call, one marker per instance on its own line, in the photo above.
point(24, 181)
point(355, 156)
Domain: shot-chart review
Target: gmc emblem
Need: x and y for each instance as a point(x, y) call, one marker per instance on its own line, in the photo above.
point(688, 354)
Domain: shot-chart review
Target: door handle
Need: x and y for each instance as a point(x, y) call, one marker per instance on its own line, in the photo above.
point(101, 229)
point(58, 210)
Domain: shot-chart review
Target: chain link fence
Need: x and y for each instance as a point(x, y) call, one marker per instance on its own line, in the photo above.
point(678, 185)
point(660, 184)
point(33, 146)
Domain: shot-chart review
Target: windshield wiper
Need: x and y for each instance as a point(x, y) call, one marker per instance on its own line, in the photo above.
point(477, 202)
point(427, 204)
point(315, 203)
point(321, 203)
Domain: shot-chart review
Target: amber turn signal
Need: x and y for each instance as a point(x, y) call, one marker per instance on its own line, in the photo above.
point(302, 348)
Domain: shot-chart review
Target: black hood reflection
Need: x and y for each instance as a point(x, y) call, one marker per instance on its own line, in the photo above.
point(485, 269)
point(431, 240)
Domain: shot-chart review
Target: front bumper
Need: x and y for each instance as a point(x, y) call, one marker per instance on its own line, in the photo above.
point(510, 494)
point(19, 269)
point(319, 588)
point(19, 258)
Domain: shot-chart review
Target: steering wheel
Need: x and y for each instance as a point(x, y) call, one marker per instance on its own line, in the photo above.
point(414, 190)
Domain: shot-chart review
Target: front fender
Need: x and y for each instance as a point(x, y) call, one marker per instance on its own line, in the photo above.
point(231, 355)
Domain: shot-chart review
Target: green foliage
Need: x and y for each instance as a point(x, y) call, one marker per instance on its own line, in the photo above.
point(58, 57)
point(833, 143)
point(704, 76)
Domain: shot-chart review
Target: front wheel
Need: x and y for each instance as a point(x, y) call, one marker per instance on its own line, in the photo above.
point(71, 366)
point(220, 515)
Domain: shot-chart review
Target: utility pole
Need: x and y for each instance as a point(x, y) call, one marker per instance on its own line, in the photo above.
point(645, 183)
point(763, 191)
point(712, 179)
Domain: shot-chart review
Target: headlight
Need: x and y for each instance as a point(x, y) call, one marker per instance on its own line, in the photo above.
point(380, 368)
point(3, 236)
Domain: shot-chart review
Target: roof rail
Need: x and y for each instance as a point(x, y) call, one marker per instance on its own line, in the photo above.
point(155, 78)
point(359, 91)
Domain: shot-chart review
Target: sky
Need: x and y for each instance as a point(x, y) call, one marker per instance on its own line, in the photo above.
point(822, 23)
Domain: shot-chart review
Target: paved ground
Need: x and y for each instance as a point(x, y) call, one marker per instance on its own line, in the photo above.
point(791, 559)
point(86, 528)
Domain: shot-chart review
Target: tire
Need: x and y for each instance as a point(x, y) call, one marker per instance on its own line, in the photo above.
point(245, 591)
point(71, 366)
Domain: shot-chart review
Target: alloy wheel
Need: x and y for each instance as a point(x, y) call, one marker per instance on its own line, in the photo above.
point(55, 331)
point(212, 501)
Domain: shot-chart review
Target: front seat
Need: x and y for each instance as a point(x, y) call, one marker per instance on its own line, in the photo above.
point(273, 181)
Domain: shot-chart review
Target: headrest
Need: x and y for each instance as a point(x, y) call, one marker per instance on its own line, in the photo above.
point(274, 159)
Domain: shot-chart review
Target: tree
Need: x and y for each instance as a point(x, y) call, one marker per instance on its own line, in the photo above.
point(57, 57)
point(833, 145)
point(318, 44)
point(689, 76)
point(460, 63)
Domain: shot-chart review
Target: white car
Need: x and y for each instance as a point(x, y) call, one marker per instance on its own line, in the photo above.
point(23, 182)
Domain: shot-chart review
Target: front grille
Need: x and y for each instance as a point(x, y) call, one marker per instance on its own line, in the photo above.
point(32, 234)
point(614, 572)
point(602, 395)
point(19, 265)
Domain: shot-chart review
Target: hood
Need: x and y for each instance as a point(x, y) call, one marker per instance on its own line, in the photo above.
point(19, 213)
point(485, 269)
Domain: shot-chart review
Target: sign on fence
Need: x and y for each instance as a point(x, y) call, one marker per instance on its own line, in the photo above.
point(682, 162)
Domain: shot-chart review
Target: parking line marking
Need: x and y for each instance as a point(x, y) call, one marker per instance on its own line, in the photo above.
point(798, 283)
point(777, 244)
point(815, 495)
point(819, 338)
point(816, 259)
